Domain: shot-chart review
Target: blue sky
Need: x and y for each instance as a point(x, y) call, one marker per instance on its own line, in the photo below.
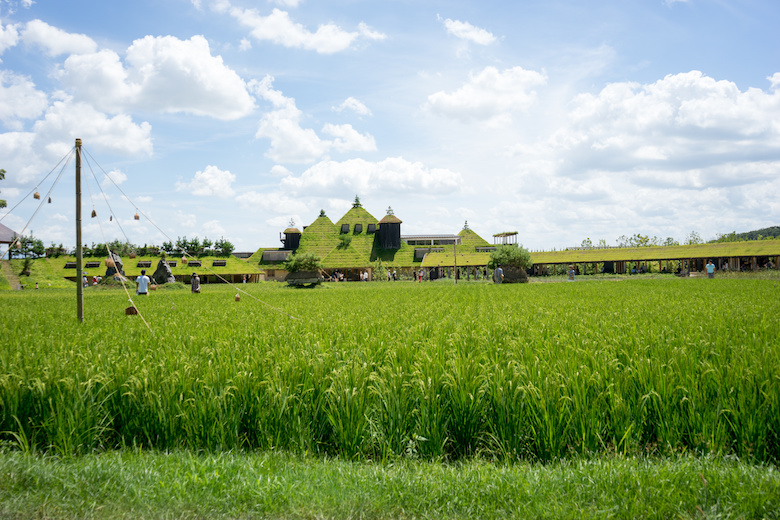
point(563, 120)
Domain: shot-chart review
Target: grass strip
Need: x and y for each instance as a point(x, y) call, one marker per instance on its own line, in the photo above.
point(142, 484)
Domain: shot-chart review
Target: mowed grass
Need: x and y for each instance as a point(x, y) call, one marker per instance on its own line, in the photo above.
point(534, 372)
point(185, 485)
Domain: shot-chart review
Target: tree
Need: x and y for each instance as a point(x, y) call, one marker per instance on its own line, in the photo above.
point(2, 177)
point(224, 247)
point(510, 256)
point(303, 262)
point(693, 238)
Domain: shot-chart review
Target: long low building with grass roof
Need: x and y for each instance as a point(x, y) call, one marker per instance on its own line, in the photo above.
point(358, 243)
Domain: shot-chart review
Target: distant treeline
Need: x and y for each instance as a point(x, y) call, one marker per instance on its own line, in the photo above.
point(759, 234)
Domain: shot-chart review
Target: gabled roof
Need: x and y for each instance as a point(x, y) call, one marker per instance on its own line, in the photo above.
point(6, 234)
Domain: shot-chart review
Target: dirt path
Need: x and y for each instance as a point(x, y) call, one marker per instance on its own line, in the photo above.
point(10, 275)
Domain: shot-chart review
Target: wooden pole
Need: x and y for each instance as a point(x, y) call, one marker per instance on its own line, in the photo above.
point(79, 253)
point(455, 258)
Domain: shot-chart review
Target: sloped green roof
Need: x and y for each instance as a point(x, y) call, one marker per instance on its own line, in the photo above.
point(356, 215)
point(345, 257)
point(320, 238)
point(470, 239)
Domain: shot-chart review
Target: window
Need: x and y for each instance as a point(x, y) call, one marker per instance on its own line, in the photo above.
point(371, 228)
point(219, 263)
point(194, 263)
point(91, 264)
point(358, 228)
point(345, 228)
point(144, 263)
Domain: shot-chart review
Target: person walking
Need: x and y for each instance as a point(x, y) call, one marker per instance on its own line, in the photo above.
point(498, 274)
point(195, 283)
point(142, 283)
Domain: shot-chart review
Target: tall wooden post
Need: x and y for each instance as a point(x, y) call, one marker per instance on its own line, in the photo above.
point(79, 255)
point(455, 258)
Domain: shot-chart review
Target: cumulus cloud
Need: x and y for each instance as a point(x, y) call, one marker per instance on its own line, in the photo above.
point(290, 142)
point(186, 220)
point(114, 177)
point(54, 41)
point(210, 182)
point(393, 175)
point(774, 79)
point(280, 29)
point(54, 135)
point(347, 139)
point(468, 32)
point(490, 96)
point(287, 3)
point(354, 105)
point(213, 227)
point(680, 123)
point(19, 99)
point(9, 36)
point(163, 74)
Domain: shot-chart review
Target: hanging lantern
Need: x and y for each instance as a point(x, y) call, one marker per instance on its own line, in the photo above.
point(94, 213)
point(136, 217)
point(238, 298)
point(37, 196)
point(49, 200)
point(110, 218)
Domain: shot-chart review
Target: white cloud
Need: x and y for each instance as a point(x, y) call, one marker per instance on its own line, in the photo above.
point(19, 99)
point(353, 104)
point(186, 220)
point(210, 182)
point(466, 31)
point(290, 142)
point(280, 171)
point(27, 154)
point(9, 36)
point(393, 175)
point(213, 227)
point(490, 96)
point(279, 28)
point(774, 79)
point(245, 45)
point(347, 139)
point(681, 122)
point(287, 3)
point(163, 74)
point(114, 177)
point(56, 41)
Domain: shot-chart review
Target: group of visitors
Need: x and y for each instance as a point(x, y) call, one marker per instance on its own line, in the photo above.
point(95, 280)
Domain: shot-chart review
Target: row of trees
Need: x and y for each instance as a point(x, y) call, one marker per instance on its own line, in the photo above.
point(31, 247)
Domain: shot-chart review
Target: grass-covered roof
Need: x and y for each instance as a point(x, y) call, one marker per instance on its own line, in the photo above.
point(714, 250)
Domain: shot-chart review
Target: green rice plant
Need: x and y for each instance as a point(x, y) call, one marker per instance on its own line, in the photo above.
point(436, 371)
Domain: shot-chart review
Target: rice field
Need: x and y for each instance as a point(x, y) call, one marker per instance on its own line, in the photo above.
point(380, 371)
